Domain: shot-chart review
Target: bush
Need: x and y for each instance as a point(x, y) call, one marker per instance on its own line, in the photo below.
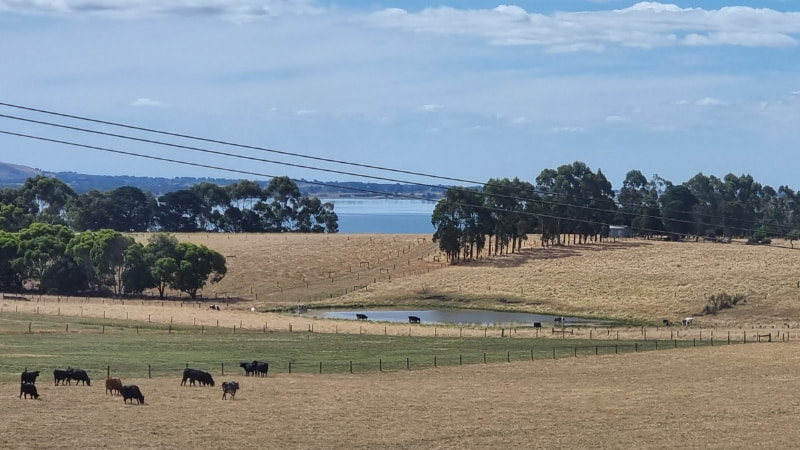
point(720, 301)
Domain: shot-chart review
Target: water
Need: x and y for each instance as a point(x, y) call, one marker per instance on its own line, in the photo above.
point(383, 216)
point(448, 316)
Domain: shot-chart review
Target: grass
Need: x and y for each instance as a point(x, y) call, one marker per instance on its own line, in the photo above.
point(132, 349)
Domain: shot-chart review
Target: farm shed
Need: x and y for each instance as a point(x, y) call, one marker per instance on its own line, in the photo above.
point(619, 231)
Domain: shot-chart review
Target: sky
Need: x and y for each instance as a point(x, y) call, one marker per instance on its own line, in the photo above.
point(435, 91)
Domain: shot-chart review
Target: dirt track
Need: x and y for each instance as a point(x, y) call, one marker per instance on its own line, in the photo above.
point(720, 397)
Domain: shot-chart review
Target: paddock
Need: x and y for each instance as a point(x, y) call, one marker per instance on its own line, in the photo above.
point(633, 400)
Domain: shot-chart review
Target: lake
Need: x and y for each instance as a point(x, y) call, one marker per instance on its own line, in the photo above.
point(383, 216)
point(448, 316)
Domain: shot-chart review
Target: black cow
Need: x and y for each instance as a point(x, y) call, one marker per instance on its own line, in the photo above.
point(79, 375)
point(262, 368)
point(414, 319)
point(132, 393)
point(61, 376)
point(667, 323)
point(537, 324)
point(229, 387)
point(361, 316)
point(27, 389)
point(249, 368)
point(29, 377)
point(194, 375)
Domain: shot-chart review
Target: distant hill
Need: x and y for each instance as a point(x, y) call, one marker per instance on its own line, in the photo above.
point(13, 176)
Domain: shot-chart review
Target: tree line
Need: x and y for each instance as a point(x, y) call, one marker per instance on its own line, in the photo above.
point(52, 258)
point(238, 207)
point(574, 204)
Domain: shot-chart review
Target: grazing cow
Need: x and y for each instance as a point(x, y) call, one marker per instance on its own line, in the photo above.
point(27, 389)
point(113, 384)
point(194, 375)
point(29, 377)
point(687, 321)
point(361, 316)
point(229, 387)
point(61, 376)
point(132, 393)
point(249, 368)
point(79, 375)
point(560, 321)
point(537, 324)
point(667, 323)
point(252, 309)
point(262, 367)
point(414, 319)
point(214, 307)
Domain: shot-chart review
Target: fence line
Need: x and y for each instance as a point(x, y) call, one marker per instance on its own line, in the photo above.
point(433, 361)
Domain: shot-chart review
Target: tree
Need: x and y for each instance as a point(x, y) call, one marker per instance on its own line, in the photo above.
point(161, 250)
point(164, 274)
point(50, 196)
point(179, 211)
point(793, 235)
point(285, 199)
point(131, 209)
point(40, 246)
point(10, 276)
point(197, 265)
point(676, 210)
point(137, 274)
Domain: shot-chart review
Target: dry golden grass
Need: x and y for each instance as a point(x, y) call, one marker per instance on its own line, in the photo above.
point(712, 397)
point(635, 279)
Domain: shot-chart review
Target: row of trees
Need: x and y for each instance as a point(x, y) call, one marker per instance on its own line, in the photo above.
point(52, 258)
point(238, 207)
point(573, 203)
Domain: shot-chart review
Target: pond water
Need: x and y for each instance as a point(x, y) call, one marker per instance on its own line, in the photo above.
point(448, 316)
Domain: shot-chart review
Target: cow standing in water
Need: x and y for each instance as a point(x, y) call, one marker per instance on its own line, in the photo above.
point(414, 319)
point(361, 316)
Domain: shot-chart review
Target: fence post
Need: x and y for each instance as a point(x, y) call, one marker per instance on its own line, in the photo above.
point(596, 350)
point(380, 365)
point(729, 338)
point(108, 371)
point(694, 342)
point(149, 372)
point(29, 327)
point(434, 361)
point(531, 353)
point(408, 364)
point(222, 368)
point(484, 357)
point(554, 353)
point(460, 360)
point(351, 366)
point(290, 367)
point(320, 367)
point(508, 357)
point(575, 351)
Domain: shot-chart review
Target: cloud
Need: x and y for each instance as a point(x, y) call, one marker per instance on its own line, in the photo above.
point(708, 101)
point(147, 102)
point(429, 108)
point(238, 10)
point(305, 112)
point(643, 25)
point(569, 130)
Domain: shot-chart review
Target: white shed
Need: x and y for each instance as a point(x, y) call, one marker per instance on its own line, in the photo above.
point(619, 231)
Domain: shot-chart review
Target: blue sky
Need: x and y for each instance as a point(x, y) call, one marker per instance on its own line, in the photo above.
point(470, 90)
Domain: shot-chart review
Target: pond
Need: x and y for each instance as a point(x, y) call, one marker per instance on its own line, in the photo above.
point(449, 316)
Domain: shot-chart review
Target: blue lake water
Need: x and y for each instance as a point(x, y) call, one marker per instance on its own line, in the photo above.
point(383, 216)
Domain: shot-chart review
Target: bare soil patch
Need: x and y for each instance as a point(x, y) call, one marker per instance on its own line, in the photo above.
point(720, 397)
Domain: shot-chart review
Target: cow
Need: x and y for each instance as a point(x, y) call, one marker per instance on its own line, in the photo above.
point(666, 323)
point(132, 393)
point(27, 389)
point(262, 367)
point(249, 368)
point(113, 385)
point(61, 376)
point(29, 377)
point(214, 307)
point(559, 321)
point(414, 319)
point(229, 387)
point(79, 375)
point(194, 375)
point(537, 324)
point(687, 321)
point(361, 316)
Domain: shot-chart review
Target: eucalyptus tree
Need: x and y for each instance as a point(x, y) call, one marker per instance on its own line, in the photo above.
point(50, 197)
point(631, 197)
point(214, 198)
point(461, 220)
point(137, 273)
point(285, 196)
point(179, 211)
point(314, 216)
point(41, 245)
point(131, 209)
point(101, 256)
point(91, 211)
point(10, 276)
point(677, 202)
point(196, 266)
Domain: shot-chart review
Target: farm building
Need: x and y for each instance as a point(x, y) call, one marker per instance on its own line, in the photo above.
point(619, 231)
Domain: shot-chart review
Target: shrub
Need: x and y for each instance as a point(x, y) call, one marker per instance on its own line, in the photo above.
point(720, 301)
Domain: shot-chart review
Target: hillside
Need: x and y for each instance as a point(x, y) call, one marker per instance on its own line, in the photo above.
point(631, 279)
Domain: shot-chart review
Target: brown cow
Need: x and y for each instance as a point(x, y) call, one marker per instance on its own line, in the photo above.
point(113, 384)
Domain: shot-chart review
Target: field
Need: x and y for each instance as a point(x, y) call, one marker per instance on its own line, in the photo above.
point(725, 396)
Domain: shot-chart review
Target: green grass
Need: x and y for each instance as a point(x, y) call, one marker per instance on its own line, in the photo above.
point(147, 349)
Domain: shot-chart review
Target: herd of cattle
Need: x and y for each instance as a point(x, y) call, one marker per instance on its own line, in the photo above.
point(114, 385)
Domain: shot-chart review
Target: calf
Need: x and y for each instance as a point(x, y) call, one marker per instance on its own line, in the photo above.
point(113, 385)
point(414, 319)
point(132, 393)
point(27, 389)
point(229, 387)
point(29, 377)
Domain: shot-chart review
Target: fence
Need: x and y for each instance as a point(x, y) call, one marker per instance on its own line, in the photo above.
point(311, 366)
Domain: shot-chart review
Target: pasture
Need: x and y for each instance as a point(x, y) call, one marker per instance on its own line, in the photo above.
point(720, 396)
point(742, 396)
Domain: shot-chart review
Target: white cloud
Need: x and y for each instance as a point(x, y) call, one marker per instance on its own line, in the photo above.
point(643, 25)
point(616, 119)
point(429, 108)
point(146, 102)
point(305, 112)
point(569, 129)
point(708, 101)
